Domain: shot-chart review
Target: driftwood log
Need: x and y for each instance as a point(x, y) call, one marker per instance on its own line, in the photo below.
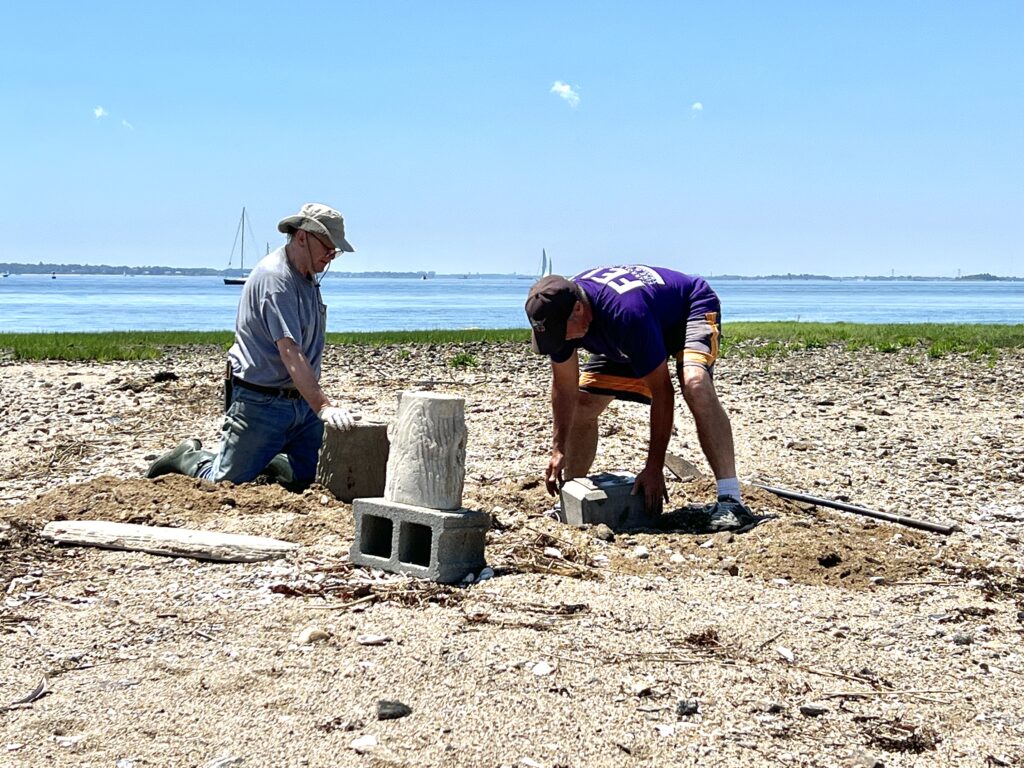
point(427, 462)
point(174, 542)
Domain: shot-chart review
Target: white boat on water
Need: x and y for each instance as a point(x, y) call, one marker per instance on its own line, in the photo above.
point(243, 224)
point(545, 263)
point(546, 267)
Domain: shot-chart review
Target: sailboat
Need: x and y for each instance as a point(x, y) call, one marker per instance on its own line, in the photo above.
point(545, 268)
point(243, 224)
point(545, 263)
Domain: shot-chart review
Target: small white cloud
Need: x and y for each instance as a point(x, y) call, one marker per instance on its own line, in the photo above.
point(697, 107)
point(565, 91)
point(99, 112)
point(128, 125)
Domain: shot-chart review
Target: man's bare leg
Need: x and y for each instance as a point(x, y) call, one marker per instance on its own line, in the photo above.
point(581, 448)
point(713, 428)
point(715, 434)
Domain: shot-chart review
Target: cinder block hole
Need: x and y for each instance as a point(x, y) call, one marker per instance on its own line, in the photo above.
point(414, 544)
point(376, 538)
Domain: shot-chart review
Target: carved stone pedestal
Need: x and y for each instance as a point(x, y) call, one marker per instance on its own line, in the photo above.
point(427, 464)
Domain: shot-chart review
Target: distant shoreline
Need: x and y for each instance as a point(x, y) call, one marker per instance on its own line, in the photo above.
point(87, 269)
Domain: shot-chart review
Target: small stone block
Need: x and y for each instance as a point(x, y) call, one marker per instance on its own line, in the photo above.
point(604, 498)
point(439, 545)
point(353, 463)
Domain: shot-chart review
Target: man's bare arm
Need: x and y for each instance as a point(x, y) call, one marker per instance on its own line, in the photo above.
point(302, 374)
point(565, 378)
point(651, 481)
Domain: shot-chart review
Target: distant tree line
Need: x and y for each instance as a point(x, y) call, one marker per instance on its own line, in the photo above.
point(45, 268)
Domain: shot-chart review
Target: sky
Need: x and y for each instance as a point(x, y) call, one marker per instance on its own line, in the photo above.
point(748, 138)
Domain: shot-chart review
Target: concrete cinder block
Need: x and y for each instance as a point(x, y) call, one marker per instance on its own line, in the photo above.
point(604, 498)
point(353, 463)
point(434, 544)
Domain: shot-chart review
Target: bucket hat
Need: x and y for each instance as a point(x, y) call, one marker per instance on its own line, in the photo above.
point(321, 220)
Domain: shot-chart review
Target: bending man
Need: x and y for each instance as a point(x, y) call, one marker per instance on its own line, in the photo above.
point(276, 405)
point(632, 319)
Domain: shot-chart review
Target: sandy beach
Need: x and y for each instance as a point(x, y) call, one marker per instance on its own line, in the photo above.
point(819, 638)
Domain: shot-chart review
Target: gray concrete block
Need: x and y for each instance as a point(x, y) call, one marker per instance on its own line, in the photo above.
point(352, 464)
point(604, 498)
point(433, 544)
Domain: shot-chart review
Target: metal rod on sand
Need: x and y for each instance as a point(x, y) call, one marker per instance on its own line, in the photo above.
point(910, 522)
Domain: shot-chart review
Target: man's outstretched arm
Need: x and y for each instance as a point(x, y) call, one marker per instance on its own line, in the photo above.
point(565, 378)
point(304, 379)
point(651, 481)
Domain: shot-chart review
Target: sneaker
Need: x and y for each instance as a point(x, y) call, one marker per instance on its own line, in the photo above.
point(555, 513)
point(730, 515)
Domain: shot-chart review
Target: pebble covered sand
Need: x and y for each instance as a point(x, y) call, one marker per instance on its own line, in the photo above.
point(819, 638)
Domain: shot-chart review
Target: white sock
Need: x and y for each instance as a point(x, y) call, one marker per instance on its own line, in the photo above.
point(730, 486)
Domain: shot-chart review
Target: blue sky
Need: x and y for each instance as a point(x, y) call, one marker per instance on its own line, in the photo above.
point(726, 137)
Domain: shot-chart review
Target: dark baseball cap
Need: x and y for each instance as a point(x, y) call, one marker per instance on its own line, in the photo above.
point(548, 307)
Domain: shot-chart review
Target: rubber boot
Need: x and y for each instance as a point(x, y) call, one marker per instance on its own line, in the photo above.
point(183, 460)
point(279, 470)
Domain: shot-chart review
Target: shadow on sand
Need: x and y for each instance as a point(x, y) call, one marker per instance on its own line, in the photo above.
point(692, 520)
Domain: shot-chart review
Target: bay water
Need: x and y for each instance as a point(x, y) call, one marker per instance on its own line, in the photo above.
point(34, 303)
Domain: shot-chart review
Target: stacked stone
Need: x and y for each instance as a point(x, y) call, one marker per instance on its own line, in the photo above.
point(419, 527)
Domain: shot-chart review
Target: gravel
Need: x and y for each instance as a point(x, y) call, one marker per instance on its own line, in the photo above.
point(651, 647)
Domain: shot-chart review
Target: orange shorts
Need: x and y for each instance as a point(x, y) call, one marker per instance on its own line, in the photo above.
point(601, 376)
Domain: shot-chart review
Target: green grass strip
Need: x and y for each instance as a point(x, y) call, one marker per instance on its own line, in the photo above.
point(741, 338)
point(107, 346)
point(934, 339)
point(468, 336)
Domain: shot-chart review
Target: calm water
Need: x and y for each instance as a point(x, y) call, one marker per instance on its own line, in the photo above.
point(101, 302)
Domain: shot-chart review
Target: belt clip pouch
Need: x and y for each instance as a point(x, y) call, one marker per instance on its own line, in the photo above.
point(227, 386)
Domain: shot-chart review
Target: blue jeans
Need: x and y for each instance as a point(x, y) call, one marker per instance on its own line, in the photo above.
point(256, 428)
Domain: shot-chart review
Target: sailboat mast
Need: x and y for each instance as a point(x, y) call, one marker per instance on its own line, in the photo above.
point(243, 239)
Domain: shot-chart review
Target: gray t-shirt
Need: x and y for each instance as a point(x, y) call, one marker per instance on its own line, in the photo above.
point(277, 302)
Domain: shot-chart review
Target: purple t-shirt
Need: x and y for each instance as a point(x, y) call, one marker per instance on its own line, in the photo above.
point(640, 313)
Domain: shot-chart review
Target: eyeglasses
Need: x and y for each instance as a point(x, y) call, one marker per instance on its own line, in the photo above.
point(329, 250)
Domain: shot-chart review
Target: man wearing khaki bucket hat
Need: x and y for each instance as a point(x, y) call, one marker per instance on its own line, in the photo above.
point(276, 410)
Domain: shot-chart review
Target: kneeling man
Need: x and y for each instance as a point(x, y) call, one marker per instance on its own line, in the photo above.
point(276, 410)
